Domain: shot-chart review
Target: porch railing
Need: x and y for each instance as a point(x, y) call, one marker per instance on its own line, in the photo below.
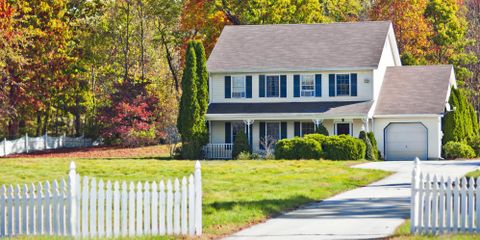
point(218, 150)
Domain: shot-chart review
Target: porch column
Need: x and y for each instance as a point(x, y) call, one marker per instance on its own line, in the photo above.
point(210, 131)
point(248, 123)
point(365, 124)
point(317, 122)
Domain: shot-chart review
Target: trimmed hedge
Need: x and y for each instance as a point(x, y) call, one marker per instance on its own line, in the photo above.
point(475, 144)
point(298, 148)
point(455, 150)
point(344, 147)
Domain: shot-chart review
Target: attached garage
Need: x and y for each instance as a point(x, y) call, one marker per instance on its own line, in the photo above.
point(406, 141)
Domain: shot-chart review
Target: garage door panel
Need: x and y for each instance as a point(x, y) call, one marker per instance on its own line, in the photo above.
point(405, 141)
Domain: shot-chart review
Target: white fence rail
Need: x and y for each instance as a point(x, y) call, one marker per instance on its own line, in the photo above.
point(440, 205)
point(87, 208)
point(27, 144)
point(218, 150)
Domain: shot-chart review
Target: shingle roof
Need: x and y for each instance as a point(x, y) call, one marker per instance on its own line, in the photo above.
point(414, 90)
point(298, 47)
point(327, 108)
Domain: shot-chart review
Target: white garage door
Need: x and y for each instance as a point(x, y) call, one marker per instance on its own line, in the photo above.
point(405, 141)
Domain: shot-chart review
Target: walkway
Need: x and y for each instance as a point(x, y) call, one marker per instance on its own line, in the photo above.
point(374, 211)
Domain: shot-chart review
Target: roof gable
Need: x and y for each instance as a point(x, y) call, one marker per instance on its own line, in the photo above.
point(414, 90)
point(299, 47)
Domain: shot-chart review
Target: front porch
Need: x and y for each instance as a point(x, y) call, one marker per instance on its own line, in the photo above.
point(222, 133)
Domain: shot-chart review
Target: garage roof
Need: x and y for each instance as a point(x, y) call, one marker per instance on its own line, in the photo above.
point(299, 47)
point(338, 108)
point(414, 90)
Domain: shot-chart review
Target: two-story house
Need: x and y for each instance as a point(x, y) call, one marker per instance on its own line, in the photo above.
point(283, 80)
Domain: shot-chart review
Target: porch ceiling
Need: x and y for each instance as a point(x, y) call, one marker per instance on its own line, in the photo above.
point(330, 109)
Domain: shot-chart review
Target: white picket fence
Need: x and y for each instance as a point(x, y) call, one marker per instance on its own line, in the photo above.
point(27, 144)
point(95, 209)
point(440, 205)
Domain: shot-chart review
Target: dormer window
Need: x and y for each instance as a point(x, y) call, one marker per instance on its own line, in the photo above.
point(307, 86)
point(238, 86)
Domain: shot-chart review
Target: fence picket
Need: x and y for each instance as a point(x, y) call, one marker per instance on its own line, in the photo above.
point(477, 211)
point(191, 206)
point(198, 198)
point(24, 228)
point(169, 207)
point(47, 209)
point(463, 213)
point(116, 209)
point(101, 209)
point(85, 202)
point(55, 208)
point(39, 209)
point(184, 194)
point(31, 211)
point(434, 205)
point(456, 209)
point(176, 208)
point(162, 228)
point(93, 208)
point(146, 209)
point(131, 210)
point(139, 204)
point(421, 200)
point(62, 207)
point(470, 205)
point(16, 202)
point(9, 211)
point(108, 212)
point(441, 208)
point(426, 216)
point(154, 208)
point(124, 209)
point(449, 210)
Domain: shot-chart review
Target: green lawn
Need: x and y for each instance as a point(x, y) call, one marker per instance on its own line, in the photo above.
point(403, 233)
point(236, 193)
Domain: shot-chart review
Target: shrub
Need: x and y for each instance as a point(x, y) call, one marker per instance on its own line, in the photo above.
point(455, 150)
point(320, 138)
point(320, 129)
point(371, 136)
point(344, 148)
point(475, 144)
point(248, 156)
point(240, 144)
point(369, 154)
point(192, 150)
point(298, 148)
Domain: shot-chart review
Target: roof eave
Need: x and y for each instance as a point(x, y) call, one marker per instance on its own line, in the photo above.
point(266, 70)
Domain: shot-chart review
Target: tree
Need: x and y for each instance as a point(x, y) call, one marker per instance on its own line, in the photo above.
point(449, 36)
point(202, 77)
point(370, 154)
point(412, 29)
point(321, 129)
point(473, 82)
point(240, 145)
point(460, 123)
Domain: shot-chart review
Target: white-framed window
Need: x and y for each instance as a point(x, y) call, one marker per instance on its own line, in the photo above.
point(343, 128)
point(238, 87)
point(306, 128)
point(343, 84)
point(307, 85)
point(272, 85)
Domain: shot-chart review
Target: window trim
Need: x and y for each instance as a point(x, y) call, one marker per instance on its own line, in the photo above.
point(244, 86)
point(343, 122)
point(279, 85)
point(301, 85)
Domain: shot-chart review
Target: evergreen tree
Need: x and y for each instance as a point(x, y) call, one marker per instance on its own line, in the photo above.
point(321, 129)
point(240, 145)
point(189, 109)
point(371, 136)
point(460, 124)
point(369, 155)
point(202, 77)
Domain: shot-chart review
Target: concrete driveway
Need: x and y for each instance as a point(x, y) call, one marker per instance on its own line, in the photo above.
point(374, 211)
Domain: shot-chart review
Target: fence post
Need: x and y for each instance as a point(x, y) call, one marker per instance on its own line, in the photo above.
point(413, 199)
point(45, 141)
point(26, 142)
point(73, 200)
point(198, 198)
point(4, 147)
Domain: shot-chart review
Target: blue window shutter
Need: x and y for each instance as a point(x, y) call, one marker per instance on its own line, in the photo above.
point(353, 86)
point(261, 86)
point(283, 130)
point(296, 129)
point(331, 85)
point(248, 84)
point(283, 86)
point(261, 134)
point(318, 85)
point(296, 85)
point(228, 132)
point(228, 86)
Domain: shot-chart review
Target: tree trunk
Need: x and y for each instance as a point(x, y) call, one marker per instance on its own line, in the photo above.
point(173, 71)
point(127, 40)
